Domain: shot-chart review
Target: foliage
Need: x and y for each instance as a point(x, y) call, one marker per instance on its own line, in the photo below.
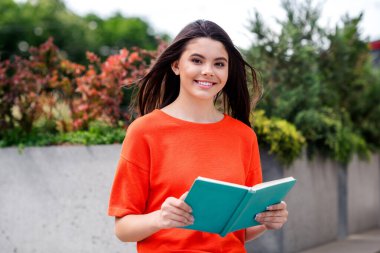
point(326, 132)
point(98, 133)
point(280, 136)
point(319, 80)
point(350, 82)
point(101, 95)
point(321, 89)
point(32, 22)
point(288, 62)
point(49, 92)
point(25, 85)
point(118, 32)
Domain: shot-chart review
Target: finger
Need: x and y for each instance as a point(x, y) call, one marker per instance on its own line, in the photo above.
point(171, 218)
point(268, 220)
point(179, 204)
point(179, 218)
point(281, 213)
point(274, 225)
point(279, 206)
point(177, 211)
point(183, 196)
point(174, 223)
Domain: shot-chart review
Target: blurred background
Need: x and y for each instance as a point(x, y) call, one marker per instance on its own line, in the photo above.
point(67, 75)
point(62, 61)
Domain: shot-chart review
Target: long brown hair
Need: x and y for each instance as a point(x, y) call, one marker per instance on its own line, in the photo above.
point(160, 86)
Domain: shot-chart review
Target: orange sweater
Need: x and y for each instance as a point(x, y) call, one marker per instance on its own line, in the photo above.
point(162, 155)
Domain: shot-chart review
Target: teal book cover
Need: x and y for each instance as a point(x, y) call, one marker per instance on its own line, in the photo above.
point(221, 207)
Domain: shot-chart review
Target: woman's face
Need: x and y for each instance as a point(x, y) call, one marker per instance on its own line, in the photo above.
point(202, 68)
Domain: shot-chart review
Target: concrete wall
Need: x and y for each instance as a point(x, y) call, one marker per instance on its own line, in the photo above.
point(312, 204)
point(363, 196)
point(54, 199)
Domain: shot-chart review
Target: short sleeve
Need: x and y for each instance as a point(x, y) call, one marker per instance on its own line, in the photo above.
point(130, 187)
point(254, 175)
point(129, 190)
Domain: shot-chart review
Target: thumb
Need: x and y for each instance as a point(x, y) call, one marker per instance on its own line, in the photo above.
point(183, 196)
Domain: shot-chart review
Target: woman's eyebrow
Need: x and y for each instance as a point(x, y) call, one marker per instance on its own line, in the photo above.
point(202, 57)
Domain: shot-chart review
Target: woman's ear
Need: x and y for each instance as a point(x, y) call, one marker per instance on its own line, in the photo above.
point(175, 68)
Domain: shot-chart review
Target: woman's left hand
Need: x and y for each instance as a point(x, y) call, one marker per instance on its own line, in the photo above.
point(275, 216)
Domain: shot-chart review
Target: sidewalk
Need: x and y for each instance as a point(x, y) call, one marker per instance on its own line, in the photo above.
point(366, 242)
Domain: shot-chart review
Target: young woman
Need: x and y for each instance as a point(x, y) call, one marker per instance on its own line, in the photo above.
point(181, 135)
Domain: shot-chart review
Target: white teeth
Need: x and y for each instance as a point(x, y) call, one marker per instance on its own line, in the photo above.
point(205, 83)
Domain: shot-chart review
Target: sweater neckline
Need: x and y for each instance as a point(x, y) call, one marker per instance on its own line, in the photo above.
point(186, 122)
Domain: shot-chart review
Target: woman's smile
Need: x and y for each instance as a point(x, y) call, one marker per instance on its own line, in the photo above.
point(204, 84)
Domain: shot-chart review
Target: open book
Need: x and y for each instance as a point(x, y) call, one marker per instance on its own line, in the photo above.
point(221, 207)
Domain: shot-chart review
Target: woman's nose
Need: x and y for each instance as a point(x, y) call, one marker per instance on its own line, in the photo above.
point(207, 70)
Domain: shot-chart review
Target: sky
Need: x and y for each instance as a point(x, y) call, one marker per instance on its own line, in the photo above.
point(170, 16)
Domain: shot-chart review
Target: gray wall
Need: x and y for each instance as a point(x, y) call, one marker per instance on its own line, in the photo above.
point(312, 205)
point(329, 201)
point(54, 199)
point(363, 198)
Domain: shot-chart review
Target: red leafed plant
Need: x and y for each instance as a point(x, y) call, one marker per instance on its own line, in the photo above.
point(49, 88)
point(100, 87)
point(23, 82)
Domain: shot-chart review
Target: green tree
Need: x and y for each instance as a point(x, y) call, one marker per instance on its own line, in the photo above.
point(317, 79)
point(31, 23)
point(288, 61)
point(351, 83)
point(131, 32)
point(116, 32)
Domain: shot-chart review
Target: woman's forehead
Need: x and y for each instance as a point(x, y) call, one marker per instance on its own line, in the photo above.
point(206, 47)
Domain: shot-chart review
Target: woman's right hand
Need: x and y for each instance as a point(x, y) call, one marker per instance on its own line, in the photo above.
point(174, 213)
point(136, 227)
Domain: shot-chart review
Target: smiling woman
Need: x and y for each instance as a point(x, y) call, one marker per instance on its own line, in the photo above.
point(182, 135)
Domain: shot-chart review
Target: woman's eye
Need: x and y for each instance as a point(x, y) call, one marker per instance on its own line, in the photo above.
point(197, 61)
point(219, 64)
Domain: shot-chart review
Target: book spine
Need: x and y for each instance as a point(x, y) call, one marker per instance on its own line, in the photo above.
point(235, 215)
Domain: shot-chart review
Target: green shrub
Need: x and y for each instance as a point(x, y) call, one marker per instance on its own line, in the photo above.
point(280, 136)
point(331, 134)
point(320, 80)
point(98, 133)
